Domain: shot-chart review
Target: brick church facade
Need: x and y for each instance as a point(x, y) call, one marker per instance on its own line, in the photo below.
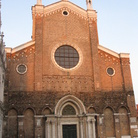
point(63, 84)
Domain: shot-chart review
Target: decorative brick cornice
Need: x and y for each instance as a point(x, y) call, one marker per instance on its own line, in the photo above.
point(92, 15)
point(115, 58)
point(108, 57)
point(41, 11)
point(20, 52)
point(18, 48)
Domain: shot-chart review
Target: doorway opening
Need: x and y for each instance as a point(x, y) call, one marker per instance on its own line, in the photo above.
point(69, 131)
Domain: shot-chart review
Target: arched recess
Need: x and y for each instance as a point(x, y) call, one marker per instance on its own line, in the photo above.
point(124, 121)
point(12, 123)
point(72, 101)
point(68, 110)
point(29, 123)
point(91, 110)
point(109, 122)
point(47, 111)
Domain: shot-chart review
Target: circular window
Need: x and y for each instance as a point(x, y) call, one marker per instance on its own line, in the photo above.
point(66, 57)
point(110, 71)
point(65, 13)
point(21, 69)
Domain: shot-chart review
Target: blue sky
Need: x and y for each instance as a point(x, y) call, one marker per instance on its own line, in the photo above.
point(117, 26)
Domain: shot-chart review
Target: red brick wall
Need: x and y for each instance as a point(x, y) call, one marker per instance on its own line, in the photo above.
point(16, 81)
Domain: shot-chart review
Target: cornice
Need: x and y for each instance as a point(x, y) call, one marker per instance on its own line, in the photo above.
point(41, 11)
point(118, 55)
point(92, 15)
point(18, 48)
point(124, 55)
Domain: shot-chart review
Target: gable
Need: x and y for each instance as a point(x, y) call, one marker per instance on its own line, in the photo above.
point(62, 5)
point(112, 53)
point(10, 50)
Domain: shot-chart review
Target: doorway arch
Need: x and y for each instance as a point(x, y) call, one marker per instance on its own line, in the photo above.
point(70, 119)
point(72, 100)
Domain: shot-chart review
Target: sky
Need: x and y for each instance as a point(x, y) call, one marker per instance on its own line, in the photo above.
point(117, 26)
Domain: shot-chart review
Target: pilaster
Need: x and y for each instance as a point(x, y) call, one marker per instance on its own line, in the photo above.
point(38, 126)
point(51, 125)
point(48, 129)
point(38, 13)
point(94, 42)
point(101, 126)
point(81, 127)
point(117, 125)
point(133, 126)
point(5, 127)
point(20, 126)
point(91, 127)
point(131, 104)
point(126, 73)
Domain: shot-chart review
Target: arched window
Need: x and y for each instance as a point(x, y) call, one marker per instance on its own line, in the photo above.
point(109, 122)
point(68, 110)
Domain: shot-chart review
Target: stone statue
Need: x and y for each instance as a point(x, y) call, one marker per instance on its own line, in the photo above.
point(89, 4)
point(39, 2)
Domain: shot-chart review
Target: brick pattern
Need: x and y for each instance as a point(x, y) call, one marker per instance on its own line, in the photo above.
point(29, 123)
point(16, 81)
point(40, 100)
point(109, 122)
point(12, 123)
point(124, 122)
point(38, 91)
point(68, 83)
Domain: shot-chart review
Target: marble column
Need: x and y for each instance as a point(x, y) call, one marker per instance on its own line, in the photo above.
point(93, 127)
point(53, 129)
point(81, 128)
point(59, 129)
point(48, 129)
point(89, 127)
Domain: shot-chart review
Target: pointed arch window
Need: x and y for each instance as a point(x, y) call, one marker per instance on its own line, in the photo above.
point(68, 110)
